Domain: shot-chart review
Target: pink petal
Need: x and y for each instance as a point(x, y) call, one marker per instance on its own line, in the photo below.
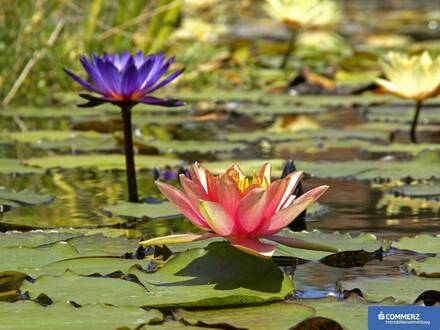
point(217, 218)
point(250, 211)
point(176, 239)
point(315, 193)
point(284, 217)
point(229, 195)
point(200, 176)
point(300, 244)
point(193, 191)
point(255, 247)
point(292, 182)
point(179, 200)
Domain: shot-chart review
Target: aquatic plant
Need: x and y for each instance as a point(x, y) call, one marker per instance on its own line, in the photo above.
point(303, 14)
point(126, 80)
point(240, 209)
point(411, 77)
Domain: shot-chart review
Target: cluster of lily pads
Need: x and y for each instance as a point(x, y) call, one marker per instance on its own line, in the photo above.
point(232, 270)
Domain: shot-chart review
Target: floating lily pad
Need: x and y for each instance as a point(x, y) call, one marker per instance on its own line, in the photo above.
point(26, 259)
point(142, 210)
point(274, 109)
point(216, 276)
point(411, 149)
point(101, 162)
point(430, 267)
point(422, 244)
point(53, 112)
point(419, 190)
point(428, 115)
point(25, 197)
point(342, 242)
point(314, 134)
point(403, 289)
point(273, 316)
point(100, 245)
point(36, 137)
point(35, 238)
point(79, 144)
point(28, 315)
point(338, 310)
point(181, 146)
point(425, 166)
point(15, 166)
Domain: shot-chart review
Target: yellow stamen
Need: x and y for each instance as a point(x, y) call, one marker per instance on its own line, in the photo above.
point(243, 182)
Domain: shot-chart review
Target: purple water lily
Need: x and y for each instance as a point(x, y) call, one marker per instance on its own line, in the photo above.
point(126, 79)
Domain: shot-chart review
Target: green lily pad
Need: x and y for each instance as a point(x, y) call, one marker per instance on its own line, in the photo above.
point(25, 197)
point(420, 190)
point(26, 259)
point(186, 146)
point(275, 109)
point(403, 115)
point(411, 149)
point(314, 134)
point(28, 315)
point(273, 316)
point(217, 276)
point(35, 238)
point(342, 242)
point(100, 245)
point(36, 137)
point(430, 267)
point(101, 162)
point(52, 112)
point(421, 243)
point(79, 143)
point(142, 210)
point(15, 166)
point(405, 289)
point(337, 310)
point(425, 166)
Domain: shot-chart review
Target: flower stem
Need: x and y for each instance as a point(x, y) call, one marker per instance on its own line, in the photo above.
point(415, 120)
point(129, 154)
point(288, 50)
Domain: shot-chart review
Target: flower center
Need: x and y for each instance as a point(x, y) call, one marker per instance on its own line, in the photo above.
point(243, 182)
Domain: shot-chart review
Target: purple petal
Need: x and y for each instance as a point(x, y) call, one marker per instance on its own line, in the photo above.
point(94, 75)
point(139, 59)
point(110, 76)
point(166, 81)
point(144, 71)
point(161, 102)
point(129, 82)
point(124, 58)
point(155, 74)
point(83, 83)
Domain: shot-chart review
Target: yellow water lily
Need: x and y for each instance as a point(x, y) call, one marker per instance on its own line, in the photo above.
point(411, 77)
point(299, 14)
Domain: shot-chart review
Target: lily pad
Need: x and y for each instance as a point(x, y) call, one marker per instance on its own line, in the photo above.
point(428, 115)
point(403, 289)
point(36, 137)
point(15, 166)
point(421, 243)
point(25, 197)
point(35, 238)
point(186, 146)
point(419, 190)
point(342, 242)
point(142, 210)
point(411, 149)
point(28, 315)
point(79, 144)
point(338, 310)
point(101, 162)
point(274, 109)
point(100, 245)
point(217, 276)
point(430, 267)
point(425, 166)
point(273, 316)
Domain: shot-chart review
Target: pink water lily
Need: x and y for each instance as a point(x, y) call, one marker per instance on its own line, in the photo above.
point(240, 209)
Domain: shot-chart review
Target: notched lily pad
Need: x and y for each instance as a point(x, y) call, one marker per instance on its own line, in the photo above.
point(421, 243)
point(15, 166)
point(430, 267)
point(404, 289)
point(429, 191)
point(25, 197)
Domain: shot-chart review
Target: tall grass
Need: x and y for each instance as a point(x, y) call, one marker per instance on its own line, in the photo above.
point(39, 37)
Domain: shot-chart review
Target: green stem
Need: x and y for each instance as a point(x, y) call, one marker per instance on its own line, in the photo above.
point(129, 154)
point(415, 120)
point(288, 50)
